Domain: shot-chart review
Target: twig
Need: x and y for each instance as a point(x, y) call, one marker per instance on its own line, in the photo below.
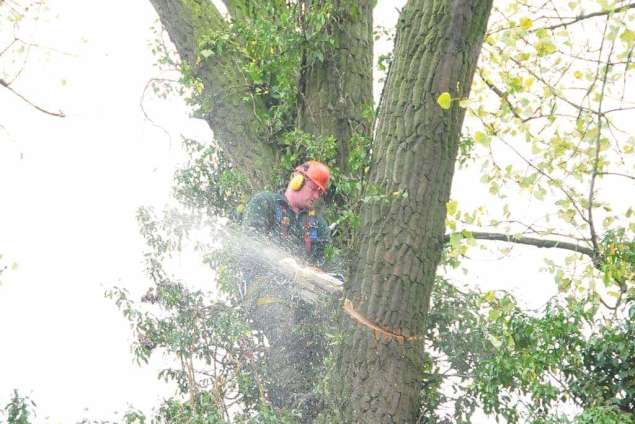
point(6, 85)
point(616, 174)
point(588, 16)
point(150, 120)
point(596, 159)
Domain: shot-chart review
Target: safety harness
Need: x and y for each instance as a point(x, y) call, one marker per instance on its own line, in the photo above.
point(310, 225)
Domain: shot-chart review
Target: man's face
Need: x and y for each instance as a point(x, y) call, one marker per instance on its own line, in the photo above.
point(307, 196)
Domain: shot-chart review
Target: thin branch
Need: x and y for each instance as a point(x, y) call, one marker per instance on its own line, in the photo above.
point(616, 174)
point(596, 158)
point(6, 85)
point(530, 241)
point(8, 46)
point(141, 100)
point(580, 18)
point(502, 95)
point(549, 177)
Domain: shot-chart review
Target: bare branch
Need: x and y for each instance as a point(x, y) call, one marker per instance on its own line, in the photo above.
point(549, 177)
point(530, 241)
point(141, 100)
point(580, 18)
point(616, 174)
point(6, 85)
point(596, 159)
point(502, 95)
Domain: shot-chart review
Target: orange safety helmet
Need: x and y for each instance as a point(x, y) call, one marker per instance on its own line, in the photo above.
point(316, 172)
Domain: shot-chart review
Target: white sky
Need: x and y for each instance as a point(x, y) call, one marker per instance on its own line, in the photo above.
point(69, 190)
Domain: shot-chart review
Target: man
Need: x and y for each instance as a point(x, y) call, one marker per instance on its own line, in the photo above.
point(289, 219)
point(296, 343)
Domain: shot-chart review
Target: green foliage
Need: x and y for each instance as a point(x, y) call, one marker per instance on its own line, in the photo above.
point(20, 409)
point(618, 257)
point(604, 415)
point(518, 366)
point(268, 44)
point(209, 182)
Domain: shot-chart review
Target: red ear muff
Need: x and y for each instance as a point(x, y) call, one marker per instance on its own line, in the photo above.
point(297, 182)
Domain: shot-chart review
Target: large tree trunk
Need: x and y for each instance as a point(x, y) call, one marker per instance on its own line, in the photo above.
point(221, 101)
point(335, 92)
point(400, 244)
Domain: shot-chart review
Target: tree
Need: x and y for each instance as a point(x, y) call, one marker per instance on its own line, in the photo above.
point(283, 81)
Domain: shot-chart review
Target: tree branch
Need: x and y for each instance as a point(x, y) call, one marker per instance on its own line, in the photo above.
point(530, 241)
point(142, 99)
point(580, 18)
point(6, 85)
point(596, 158)
point(616, 174)
point(231, 118)
point(501, 94)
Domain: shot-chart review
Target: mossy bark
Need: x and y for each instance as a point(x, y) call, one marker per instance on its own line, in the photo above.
point(221, 101)
point(335, 91)
point(401, 240)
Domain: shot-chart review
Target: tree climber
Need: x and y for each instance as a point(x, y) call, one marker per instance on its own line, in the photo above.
point(289, 218)
point(278, 309)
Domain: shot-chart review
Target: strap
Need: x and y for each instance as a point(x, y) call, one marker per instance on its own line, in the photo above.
point(310, 231)
point(282, 219)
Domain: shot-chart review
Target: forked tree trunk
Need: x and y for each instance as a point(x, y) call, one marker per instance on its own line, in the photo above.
point(401, 240)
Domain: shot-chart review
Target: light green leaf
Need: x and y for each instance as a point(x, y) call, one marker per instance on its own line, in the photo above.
point(628, 36)
point(452, 207)
point(445, 100)
point(481, 138)
point(496, 342)
point(526, 23)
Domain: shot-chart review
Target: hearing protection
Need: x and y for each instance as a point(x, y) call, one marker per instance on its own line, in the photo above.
point(313, 170)
point(297, 182)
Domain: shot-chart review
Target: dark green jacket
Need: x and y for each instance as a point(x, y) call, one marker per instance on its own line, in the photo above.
point(259, 219)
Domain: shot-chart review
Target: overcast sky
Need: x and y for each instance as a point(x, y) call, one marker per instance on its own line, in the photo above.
point(69, 190)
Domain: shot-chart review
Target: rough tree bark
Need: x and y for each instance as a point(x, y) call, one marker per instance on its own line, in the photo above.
point(335, 92)
point(232, 119)
point(400, 241)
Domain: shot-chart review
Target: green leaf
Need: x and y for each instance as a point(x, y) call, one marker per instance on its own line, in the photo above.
point(490, 296)
point(545, 47)
point(452, 207)
point(481, 138)
point(206, 53)
point(496, 342)
point(445, 100)
point(526, 23)
point(628, 36)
